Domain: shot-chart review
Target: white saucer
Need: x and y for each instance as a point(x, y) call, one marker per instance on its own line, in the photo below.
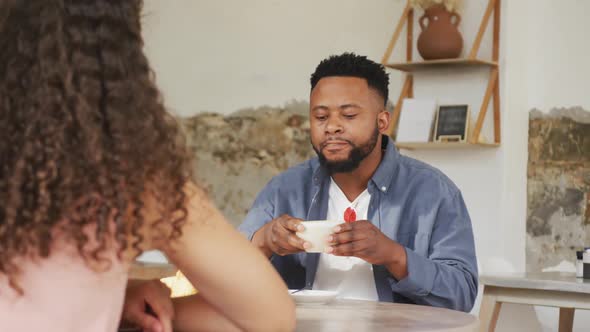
point(313, 296)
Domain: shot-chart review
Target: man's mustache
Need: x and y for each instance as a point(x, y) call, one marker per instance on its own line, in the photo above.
point(334, 140)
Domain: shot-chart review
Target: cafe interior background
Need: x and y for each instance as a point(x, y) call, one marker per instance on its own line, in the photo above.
point(236, 74)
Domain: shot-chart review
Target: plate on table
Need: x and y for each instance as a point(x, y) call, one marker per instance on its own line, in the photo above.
point(312, 296)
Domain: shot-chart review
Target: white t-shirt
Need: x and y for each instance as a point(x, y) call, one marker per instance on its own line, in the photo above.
point(351, 277)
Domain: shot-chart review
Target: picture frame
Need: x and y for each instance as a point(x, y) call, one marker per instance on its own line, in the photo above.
point(452, 123)
point(416, 120)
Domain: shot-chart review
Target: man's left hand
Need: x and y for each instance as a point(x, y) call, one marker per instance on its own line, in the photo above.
point(363, 240)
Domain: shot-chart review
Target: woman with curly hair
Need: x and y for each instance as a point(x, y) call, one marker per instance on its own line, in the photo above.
point(94, 171)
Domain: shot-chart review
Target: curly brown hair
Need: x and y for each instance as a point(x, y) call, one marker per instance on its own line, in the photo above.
point(84, 134)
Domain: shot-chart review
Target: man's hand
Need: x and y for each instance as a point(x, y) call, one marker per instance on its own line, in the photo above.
point(141, 294)
point(278, 236)
point(363, 240)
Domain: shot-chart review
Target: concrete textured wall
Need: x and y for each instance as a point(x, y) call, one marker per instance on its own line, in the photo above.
point(237, 154)
point(558, 190)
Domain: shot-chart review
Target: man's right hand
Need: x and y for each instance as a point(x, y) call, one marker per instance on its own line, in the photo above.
point(278, 237)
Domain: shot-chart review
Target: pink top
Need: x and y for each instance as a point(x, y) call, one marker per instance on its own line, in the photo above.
point(62, 294)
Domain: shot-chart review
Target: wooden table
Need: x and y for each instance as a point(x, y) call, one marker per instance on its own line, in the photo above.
point(553, 289)
point(360, 316)
point(146, 271)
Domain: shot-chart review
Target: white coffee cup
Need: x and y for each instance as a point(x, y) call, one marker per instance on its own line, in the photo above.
point(316, 233)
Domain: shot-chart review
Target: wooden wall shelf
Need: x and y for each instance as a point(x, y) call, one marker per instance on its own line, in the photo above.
point(443, 146)
point(492, 92)
point(440, 64)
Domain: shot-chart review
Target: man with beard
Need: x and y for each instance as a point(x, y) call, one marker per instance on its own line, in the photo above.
point(408, 235)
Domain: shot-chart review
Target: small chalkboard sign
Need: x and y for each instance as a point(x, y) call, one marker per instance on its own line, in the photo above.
point(452, 123)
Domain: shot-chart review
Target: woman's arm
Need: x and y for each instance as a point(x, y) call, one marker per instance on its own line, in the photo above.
point(234, 280)
point(194, 314)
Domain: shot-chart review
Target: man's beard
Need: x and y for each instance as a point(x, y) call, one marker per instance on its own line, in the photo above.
point(355, 157)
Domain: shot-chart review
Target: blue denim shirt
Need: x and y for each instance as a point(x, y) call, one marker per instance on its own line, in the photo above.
point(411, 203)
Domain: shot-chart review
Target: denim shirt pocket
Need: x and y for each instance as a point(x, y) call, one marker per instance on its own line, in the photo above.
point(421, 244)
point(417, 242)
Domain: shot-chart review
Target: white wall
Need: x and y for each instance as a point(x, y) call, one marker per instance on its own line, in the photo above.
point(221, 56)
point(558, 49)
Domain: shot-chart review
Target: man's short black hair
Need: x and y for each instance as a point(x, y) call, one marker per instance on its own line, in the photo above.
point(350, 64)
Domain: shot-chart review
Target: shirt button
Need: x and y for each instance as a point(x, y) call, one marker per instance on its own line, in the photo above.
point(383, 188)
